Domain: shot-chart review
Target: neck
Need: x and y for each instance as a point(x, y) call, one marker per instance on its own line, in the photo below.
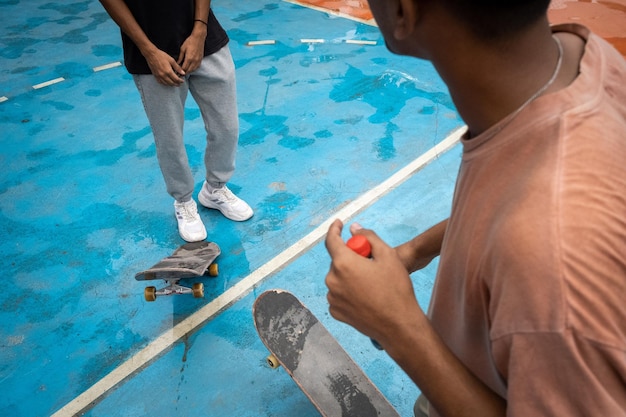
point(488, 83)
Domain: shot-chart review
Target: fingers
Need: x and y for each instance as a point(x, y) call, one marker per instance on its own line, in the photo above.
point(172, 80)
point(191, 55)
point(178, 70)
point(335, 243)
point(165, 68)
point(189, 64)
point(183, 61)
point(175, 76)
point(168, 72)
point(375, 241)
point(333, 237)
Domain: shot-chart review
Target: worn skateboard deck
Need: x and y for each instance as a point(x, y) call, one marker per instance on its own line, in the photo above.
point(188, 261)
point(328, 376)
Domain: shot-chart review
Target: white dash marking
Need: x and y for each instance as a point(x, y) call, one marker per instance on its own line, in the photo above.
point(360, 42)
point(262, 42)
point(47, 83)
point(107, 66)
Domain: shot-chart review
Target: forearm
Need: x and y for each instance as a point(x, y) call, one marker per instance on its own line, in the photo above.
point(202, 9)
point(421, 250)
point(449, 386)
point(201, 17)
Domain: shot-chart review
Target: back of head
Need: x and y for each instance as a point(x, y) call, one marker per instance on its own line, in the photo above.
point(496, 19)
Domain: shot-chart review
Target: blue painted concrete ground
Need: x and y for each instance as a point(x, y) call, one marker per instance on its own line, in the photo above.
point(83, 206)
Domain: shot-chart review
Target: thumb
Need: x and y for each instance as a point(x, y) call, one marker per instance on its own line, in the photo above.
point(355, 227)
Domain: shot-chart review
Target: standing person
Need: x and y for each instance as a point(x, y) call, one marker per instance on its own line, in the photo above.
point(172, 47)
point(528, 311)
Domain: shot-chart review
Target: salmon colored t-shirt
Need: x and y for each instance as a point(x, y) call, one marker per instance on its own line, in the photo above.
point(531, 290)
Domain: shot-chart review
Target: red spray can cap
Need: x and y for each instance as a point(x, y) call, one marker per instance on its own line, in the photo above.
point(360, 245)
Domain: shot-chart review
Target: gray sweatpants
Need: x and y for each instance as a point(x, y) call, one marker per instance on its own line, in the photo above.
point(213, 88)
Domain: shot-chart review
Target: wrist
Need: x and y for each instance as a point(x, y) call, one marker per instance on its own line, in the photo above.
point(200, 26)
point(416, 253)
point(149, 50)
point(404, 339)
point(199, 31)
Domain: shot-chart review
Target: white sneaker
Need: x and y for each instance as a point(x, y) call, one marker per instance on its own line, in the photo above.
point(190, 226)
point(224, 200)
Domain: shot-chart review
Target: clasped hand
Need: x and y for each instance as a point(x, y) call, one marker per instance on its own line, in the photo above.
point(169, 71)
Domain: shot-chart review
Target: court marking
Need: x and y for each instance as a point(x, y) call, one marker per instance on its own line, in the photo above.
point(107, 66)
point(262, 42)
point(360, 42)
point(156, 348)
point(48, 83)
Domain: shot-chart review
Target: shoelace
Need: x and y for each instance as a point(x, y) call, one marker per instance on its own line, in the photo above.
point(224, 194)
point(187, 213)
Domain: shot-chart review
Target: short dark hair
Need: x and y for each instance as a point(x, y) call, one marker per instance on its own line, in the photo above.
point(496, 19)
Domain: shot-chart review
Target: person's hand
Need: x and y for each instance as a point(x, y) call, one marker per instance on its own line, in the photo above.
point(192, 52)
point(165, 68)
point(375, 295)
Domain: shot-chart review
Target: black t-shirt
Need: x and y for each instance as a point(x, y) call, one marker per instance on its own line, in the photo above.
point(167, 23)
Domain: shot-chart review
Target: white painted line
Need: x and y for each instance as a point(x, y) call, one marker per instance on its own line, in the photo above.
point(107, 66)
point(3, 99)
point(312, 40)
point(263, 42)
point(47, 83)
point(360, 42)
point(145, 356)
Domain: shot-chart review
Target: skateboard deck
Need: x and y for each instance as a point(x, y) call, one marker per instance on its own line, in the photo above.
point(190, 260)
point(318, 364)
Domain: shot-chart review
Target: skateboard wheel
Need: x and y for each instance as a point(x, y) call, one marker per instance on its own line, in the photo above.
point(272, 362)
point(149, 293)
point(198, 290)
point(213, 270)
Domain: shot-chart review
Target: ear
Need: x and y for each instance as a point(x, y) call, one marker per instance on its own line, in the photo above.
point(406, 18)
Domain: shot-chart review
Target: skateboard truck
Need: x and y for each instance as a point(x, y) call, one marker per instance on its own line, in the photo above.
point(197, 290)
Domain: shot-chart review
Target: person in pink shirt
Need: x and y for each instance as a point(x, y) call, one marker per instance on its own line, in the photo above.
point(528, 311)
